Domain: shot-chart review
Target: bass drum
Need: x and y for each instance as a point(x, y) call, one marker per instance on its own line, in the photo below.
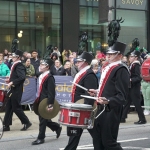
point(145, 70)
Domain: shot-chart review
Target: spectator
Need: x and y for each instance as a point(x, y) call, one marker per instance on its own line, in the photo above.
point(6, 60)
point(28, 55)
point(55, 50)
point(71, 59)
point(4, 70)
point(30, 71)
point(96, 70)
point(102, 62)
point(25, 54)
point(67, 68)
point(54, 56)
point(24, 57)
point(99, 55)
point(9, 53)
point(74, 54)
point(1, 56)
point(6, 52)
point(94, 62)
point(57, 69)
point(34, 60)
point(65, 55)
point(74, 68)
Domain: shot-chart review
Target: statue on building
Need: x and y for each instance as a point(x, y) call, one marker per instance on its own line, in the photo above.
point(49, 50)
point(113, 31)
point(14, 45)
point(82, 43)
point(135, 45)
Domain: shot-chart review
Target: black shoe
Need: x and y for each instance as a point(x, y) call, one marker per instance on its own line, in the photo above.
point(123, 120)
point(26, 126)
point(6, 128)
point(58, 132)
point(140, 122)
point(38, 141)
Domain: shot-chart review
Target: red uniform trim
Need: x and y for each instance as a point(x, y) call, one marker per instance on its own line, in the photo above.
point(105, 80)
point(74, 86)
point(40, 89)
point(12, 68)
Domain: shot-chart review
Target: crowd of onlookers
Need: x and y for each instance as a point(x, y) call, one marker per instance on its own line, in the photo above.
point(65, 63)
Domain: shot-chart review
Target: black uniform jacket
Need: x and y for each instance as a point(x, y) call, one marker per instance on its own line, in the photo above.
point(89, 81)
point(18, 76)
point(48, 89)
point(135, 75)
point(117, 86)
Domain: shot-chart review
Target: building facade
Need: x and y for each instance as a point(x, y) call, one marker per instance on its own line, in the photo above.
point(39, 23)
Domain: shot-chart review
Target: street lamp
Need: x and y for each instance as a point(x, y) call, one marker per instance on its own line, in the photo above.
point(19, 35)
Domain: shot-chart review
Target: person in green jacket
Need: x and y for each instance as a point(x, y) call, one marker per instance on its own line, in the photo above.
point(30, 71)
point(4, 70)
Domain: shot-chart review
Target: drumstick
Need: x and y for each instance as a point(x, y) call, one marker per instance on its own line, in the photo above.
point(95, 98)
point(90, 97)
point(80, 86)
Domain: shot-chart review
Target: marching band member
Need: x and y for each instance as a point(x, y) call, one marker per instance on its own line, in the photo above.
point(112, 92)
point(134, 92)
point(15, 82)
point(46, 89)
point(86, 78)
point(145, 84)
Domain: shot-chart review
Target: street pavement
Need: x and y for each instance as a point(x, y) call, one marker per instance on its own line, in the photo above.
point(15, 135)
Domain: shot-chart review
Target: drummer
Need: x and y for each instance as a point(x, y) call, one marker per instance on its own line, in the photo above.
point(86, 78)
point(46, 90)
point(112, 92)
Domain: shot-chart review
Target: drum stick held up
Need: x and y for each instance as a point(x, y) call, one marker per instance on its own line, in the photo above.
point(80, 86)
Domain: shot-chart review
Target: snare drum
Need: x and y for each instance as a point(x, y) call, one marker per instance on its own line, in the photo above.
point(76, 115)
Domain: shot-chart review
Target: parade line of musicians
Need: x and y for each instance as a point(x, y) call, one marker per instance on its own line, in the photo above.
point(113, 78)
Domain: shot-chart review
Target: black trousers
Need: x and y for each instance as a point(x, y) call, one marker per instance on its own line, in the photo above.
point(46, 123)
point(135, 97)
point(14, 106)
point(74, 140)
point(105, 130)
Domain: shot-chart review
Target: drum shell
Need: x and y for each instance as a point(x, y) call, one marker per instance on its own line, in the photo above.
point(75, 117)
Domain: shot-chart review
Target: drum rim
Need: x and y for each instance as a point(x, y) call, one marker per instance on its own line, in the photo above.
point(72, 108)
point(73, 125)
point(79, 106)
